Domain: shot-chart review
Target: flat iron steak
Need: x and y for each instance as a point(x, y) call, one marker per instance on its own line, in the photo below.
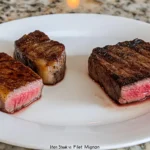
point(46, 57)
point(123, 70)
point(19, 85)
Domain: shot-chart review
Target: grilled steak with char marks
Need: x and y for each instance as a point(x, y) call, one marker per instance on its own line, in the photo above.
point(123, 70)
point(19, 85)
point(46, 57)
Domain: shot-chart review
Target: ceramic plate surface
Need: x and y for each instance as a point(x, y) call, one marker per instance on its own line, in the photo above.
point(76, 110)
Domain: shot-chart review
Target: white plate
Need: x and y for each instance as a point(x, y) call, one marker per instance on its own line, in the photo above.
point(76, 111)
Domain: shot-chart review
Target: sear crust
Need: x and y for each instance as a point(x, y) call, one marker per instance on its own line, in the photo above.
point(17, 84)
point(121, 65)
point(46, 57)
point(13, 74)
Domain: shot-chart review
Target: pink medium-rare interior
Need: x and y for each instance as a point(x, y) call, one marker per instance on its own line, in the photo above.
point(23, 96)
point(135, 92)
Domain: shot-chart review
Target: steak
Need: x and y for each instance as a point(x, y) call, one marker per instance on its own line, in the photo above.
point(122, 70)
point(19, 85)
point(44, 56)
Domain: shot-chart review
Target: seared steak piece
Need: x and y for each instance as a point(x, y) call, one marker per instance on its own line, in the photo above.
point(19, 85)
point(46, 57)
point(123, 70)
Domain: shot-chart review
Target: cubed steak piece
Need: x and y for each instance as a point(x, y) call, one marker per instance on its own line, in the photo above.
point(19, 85)
point(123, 70)
point(46, 57)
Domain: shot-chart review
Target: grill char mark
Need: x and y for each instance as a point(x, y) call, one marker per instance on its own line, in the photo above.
point(116, 62)
point(125, 64)
point(139, 46)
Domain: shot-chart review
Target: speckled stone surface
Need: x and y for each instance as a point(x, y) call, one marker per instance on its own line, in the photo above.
point(15, 9)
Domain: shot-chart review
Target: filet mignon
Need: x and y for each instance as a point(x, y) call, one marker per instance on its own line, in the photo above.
point(123, 70)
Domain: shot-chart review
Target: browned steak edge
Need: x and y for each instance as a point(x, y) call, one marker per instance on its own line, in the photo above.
point(133, 69)
point(99, 74)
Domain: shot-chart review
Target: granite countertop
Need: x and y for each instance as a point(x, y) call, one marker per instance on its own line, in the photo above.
point(15, 9)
